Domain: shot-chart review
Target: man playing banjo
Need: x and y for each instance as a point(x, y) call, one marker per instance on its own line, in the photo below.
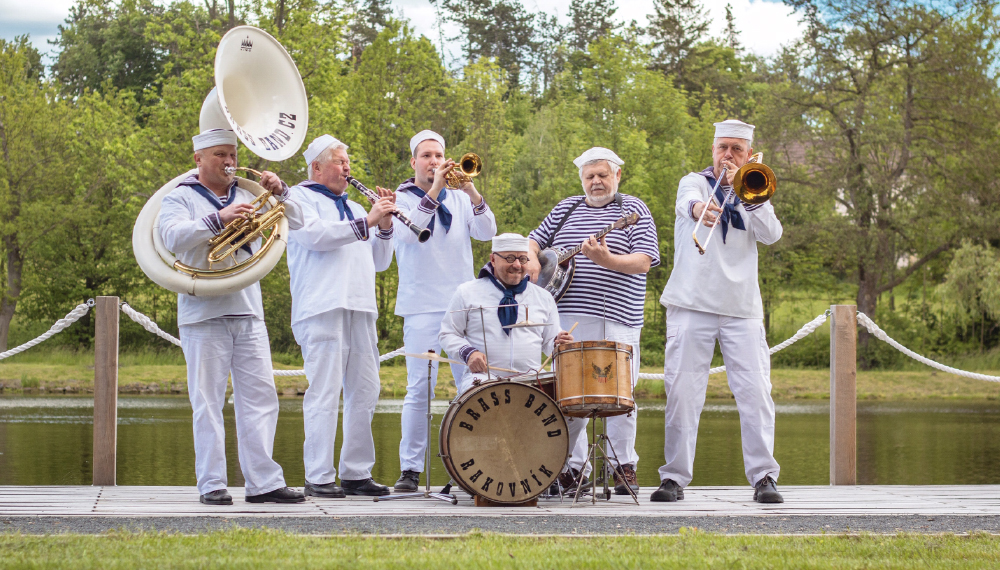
point(332, 261)
point(607, 292)
point(429, 274)
point(712, 297)
point(507, 296)
point(225, 334)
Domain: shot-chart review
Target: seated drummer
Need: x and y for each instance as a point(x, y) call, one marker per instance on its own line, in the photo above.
point(507, 296)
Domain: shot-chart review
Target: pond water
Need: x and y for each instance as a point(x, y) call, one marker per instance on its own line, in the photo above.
point(48, 441)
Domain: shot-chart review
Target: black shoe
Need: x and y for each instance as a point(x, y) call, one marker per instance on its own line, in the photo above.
point(668, 492)
point(408, 481)
point(766, 491)
point(279, 495)
point(325, 491)
point(625, 479)
point(367, 487)
point(219, 497)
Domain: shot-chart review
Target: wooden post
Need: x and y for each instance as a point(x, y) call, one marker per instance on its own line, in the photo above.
point(843, 394)
point(105, 390)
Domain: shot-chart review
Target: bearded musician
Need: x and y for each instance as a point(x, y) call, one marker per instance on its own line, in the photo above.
point(429, 274)
point(508, 297)
point(332, 261)
point(606, 296)
point(225, 334)
point(716, 297)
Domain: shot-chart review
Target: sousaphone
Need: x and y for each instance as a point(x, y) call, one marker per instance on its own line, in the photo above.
point(260, 96)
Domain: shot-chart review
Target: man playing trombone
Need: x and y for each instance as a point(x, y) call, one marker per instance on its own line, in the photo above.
point(225, 334)
point(429, 274)
point(715, 296)
point(332, 261)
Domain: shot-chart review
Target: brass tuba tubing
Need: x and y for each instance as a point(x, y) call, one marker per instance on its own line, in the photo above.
point(423, 234)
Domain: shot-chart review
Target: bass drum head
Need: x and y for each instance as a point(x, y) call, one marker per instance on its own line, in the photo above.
point(504, 441)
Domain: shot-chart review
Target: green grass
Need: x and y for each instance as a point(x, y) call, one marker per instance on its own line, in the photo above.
point(691, 549)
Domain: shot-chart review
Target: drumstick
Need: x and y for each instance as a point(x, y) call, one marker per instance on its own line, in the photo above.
point(549, 359)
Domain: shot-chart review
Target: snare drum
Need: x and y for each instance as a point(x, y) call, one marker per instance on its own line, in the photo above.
point(594, 378)
point(544, 381)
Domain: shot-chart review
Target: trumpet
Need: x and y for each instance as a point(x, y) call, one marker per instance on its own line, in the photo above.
point(251, 226)
point(754, 183)
point(467, 167)
point(423, 234)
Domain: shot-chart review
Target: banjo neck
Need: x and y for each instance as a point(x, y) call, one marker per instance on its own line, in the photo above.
point(620, 223)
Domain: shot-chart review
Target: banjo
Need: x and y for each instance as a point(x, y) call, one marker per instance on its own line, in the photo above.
point(558, 265)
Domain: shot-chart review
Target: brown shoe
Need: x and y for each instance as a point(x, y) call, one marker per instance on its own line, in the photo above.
point(568, 481)
point(625, 479)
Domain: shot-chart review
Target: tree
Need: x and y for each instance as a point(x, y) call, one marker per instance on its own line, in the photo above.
point(33, 173)
point(367, 20)
point(972, 284)
point(895, 103)
point(590, 20)
point(675, 26)
point(500, 29)
point(731, 35)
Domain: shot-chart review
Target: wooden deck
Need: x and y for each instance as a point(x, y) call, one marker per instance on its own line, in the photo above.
point(800, 501)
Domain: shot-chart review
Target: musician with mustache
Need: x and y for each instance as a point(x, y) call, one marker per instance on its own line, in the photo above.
point(225, 334)
point(505, 288)
point(606, 296)
point(429, 274)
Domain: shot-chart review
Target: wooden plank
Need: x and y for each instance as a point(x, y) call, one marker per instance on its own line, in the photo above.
point(843, 394)
point(105, 391)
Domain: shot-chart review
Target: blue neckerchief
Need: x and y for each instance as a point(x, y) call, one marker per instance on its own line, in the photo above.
point(506, 314)
point(729, 212)
point(215, 201)
point(340, 201)
point(442, 211)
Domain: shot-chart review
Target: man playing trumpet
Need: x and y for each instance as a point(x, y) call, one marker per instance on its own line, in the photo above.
point(712, 297)
point(505, 291)
point(429, 274)
point(332, 261)
point(225, 334)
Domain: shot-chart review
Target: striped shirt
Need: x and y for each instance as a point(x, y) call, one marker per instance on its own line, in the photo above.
point(593, 285)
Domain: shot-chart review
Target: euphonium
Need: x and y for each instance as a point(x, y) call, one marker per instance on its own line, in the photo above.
point(466, 168)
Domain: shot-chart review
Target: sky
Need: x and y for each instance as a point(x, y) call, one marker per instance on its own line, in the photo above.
point(765, 25)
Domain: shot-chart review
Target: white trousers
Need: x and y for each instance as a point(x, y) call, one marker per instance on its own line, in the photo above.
point(340, 349)
point(621, 430)
point(420, 334)
point(691, 337)
point(213, 349)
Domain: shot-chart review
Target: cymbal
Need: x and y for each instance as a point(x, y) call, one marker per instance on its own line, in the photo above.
point(526, 324)
point(433, 356)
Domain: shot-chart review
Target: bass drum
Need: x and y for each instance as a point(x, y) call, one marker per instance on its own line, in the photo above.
point(504, 441)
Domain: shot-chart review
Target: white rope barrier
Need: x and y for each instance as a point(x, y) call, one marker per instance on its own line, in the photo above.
point(383, 358)
point(806, 330)
point(881, 335)
point(59, 325)
point(148, 324)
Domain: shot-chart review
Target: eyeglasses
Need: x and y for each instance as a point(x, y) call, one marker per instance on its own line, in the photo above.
point(512, 258)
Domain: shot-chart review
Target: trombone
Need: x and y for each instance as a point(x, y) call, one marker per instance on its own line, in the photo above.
point(466, 168)
point(754, 183)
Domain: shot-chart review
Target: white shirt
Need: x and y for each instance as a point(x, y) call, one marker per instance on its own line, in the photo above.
point(462, 330)
point(187, 221)
point(430, 272)
point(724, 280)
point(332, 263)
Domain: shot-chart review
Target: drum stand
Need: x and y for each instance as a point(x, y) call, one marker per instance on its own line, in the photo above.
point(427, 494)
point(596, 447)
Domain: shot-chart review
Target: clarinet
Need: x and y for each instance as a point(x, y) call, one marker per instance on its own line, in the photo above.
point(423, 234)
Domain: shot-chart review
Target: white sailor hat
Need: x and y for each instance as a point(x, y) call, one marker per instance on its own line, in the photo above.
point(598, 153)
point(510, 242)
point(213, 137)
point(733, 129)
point(317, 147)
point(422, 136)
